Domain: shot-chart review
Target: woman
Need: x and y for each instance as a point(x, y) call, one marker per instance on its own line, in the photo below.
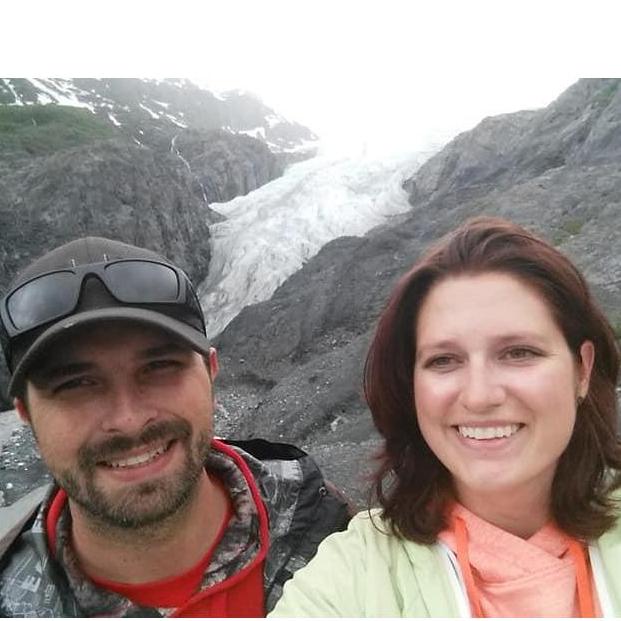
point(491, 378)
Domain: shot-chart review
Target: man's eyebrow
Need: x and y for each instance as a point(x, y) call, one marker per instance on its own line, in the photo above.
point(164, 350)
point(63, 369)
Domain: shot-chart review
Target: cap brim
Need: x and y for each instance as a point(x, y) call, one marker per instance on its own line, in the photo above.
point(193, 337)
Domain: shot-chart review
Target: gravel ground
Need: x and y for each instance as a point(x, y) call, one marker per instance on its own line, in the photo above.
point(21, 468)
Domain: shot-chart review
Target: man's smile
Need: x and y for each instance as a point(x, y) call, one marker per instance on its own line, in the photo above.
point(139, 458)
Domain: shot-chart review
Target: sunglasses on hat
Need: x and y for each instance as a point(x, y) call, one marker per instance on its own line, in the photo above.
point(55, 294)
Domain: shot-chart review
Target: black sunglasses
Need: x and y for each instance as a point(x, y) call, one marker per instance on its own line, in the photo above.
point(54, 295)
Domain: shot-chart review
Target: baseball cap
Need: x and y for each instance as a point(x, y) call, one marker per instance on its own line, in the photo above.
point(89, 280)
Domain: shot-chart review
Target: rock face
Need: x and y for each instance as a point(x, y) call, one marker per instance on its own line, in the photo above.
point(227, 166)
point(291, 366)
point(581, 127)
point(110, 188)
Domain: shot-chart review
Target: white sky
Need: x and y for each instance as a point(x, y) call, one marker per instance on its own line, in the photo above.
point(387, 73)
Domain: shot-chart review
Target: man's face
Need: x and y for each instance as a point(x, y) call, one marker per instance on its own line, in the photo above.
point(123, 417)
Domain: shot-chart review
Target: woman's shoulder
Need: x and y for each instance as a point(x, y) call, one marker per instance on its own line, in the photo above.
point(368, 570)
point(373, 532)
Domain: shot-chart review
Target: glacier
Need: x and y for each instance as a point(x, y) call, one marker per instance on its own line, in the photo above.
point(269, 233)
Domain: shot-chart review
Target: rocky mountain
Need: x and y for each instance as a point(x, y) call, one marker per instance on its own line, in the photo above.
point(151, 112)
point(139, 160)
point(291, 366)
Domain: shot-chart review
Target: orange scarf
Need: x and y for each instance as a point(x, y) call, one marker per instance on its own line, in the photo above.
point(506, 561)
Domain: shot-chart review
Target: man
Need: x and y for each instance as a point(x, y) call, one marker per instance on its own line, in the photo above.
point(149, 515)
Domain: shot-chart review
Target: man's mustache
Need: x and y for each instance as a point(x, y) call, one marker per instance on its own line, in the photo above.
point(92, 454)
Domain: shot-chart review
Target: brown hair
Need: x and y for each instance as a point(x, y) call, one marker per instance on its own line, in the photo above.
point(411, 484)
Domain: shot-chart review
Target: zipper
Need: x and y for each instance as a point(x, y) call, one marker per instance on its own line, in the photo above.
point(599, 579)
point(456, 580)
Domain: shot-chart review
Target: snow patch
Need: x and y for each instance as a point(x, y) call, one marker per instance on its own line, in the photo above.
point(177, 122)
point(18, 101)
point(154, 115)
point(304, 145)
point(273, 119)
point(113, 119)
point(257, 132)
point(53, 92)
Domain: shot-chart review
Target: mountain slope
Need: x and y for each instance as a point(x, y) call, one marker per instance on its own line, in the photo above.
point(291, 366)
point(152, 111)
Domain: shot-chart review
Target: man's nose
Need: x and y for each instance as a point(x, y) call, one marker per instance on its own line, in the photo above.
point(482, 389)
point(126, 410)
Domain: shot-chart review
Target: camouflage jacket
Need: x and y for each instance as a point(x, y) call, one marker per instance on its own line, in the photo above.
point(301, 512)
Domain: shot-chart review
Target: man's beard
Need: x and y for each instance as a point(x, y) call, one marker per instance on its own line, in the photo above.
point(141, 504)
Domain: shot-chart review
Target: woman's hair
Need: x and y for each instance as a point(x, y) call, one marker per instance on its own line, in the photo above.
point(412, 485)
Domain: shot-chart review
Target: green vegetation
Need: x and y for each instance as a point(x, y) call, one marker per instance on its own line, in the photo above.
point(6, 97)
point(567, 229)
point(604, 96)
point(39, 130)
point(615, 322)
point(574, 226)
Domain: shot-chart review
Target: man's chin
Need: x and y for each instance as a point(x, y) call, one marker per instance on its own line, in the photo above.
point(144, 505)
point(134, 505)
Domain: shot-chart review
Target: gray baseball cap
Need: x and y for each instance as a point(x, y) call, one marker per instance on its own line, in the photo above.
point(98, 298)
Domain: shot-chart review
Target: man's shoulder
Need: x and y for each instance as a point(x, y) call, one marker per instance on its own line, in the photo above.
point(303, 508)
point(16, 517)
point(276, 464)
point(289, 479)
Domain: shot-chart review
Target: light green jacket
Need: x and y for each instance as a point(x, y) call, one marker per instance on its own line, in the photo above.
point(364, 572)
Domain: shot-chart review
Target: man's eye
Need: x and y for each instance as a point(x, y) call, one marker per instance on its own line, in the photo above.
point(72, 384)
point(161, 365)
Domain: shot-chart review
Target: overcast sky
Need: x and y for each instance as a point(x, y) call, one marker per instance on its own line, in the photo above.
point(391, 74)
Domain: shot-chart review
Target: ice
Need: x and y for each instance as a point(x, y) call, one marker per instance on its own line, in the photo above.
point(271, 232)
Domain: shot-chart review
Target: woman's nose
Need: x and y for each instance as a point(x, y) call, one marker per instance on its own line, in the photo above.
point(481, 390)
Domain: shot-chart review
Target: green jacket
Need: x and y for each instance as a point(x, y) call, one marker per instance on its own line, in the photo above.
point(364, 572)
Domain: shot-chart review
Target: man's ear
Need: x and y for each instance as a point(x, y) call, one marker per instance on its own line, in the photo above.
point(214, 366)
point(22, 410)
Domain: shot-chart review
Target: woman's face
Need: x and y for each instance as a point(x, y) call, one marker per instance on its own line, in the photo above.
point(495, 385)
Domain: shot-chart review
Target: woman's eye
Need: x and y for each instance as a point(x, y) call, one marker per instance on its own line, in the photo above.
point(440, 362)
point(520, 353)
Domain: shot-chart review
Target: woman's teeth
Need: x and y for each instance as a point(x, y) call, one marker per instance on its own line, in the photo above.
point(487, 433)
